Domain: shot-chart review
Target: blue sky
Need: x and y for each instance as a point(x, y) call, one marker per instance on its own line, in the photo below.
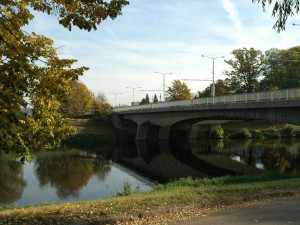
point(165, 36)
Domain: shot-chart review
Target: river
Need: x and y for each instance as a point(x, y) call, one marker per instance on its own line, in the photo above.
point(84, 174)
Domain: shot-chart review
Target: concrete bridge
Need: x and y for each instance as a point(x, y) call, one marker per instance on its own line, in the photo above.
point(158, 120)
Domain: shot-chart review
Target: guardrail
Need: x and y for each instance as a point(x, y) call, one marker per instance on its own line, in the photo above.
point(266, 96)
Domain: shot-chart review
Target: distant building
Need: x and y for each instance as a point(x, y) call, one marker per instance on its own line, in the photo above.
point(135, 103)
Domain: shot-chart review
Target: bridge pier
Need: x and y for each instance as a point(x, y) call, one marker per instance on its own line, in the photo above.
point(142, 132)
point(194, 131)
point(164, 133)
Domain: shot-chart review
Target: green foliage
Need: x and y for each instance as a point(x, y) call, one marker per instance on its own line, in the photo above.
point(79, 103)
point(227, 180)
point(221, 88)
point(101, 108)
point(31, 73)
point(127, 190)
point(246, 68)
point(288, 132)
point(90, 139)
point(257, 134)
point(155, 99)
point(282, 9)
point(281, 69)
point(179, 91)
point(218, 132)
point(145, 100)
point(240, 133)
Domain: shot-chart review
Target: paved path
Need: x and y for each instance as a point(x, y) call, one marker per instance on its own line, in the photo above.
point(275, 212)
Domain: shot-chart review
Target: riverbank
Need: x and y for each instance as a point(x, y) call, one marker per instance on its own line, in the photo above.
point(90, 132)
point(174, 201)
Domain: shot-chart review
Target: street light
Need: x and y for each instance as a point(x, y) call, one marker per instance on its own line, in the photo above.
point(164, 83)
point(213, 59)
point(116, 97)
point(133, 91)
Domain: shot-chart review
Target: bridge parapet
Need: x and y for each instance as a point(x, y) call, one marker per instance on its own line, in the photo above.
point(266, 96)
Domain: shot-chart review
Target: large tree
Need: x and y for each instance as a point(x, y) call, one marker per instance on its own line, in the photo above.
point(282, 9)
point(80, 101)
point(179, 91)
point(32, 73)
point(221, 88)
point(281, 69)
point(246, 68)
point(102, 109)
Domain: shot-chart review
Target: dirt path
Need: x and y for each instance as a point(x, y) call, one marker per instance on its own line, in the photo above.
point(274, 212)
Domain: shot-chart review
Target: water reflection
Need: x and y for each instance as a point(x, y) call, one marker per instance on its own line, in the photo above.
point(62, 176)
point(209, 158)
point(78, 174)
point(69, 172)
point(12, 183)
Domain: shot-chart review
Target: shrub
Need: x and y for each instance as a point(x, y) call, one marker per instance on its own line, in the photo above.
point(288, 132)
point(218, 132)
point(243, 133)
point(257, 134)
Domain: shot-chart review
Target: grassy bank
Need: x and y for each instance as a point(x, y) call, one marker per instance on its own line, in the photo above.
point(258, 130)
point(195, 195)
point(94, 132)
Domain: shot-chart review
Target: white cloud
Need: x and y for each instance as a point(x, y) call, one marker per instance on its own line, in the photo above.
point(235, 18)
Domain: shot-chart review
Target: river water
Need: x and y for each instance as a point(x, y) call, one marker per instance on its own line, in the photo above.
point(84, 174)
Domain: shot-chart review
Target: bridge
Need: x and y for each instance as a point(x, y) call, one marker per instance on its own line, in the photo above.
point(158, 120)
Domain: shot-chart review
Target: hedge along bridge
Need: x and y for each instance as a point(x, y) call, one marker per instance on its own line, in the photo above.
point(158, 120)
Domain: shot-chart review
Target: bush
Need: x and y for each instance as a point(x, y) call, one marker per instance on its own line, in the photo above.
point(288, 132)
point(243, 133)
point(218, 132)
point(257, 134)
point(297, 133)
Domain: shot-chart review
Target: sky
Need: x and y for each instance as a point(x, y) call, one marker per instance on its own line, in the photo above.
point(168, 36)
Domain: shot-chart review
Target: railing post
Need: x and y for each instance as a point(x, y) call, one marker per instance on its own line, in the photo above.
point(271, 96)
point(257, 97)
point(287, 94)
point(246, 97)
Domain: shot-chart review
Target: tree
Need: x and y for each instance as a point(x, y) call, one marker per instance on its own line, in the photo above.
point(282, 9)
point(155, 99)
point(102, 109)
point(246, 68)
point(221, 88)
point(145, 100)
point(281, 69)
point(32, 73)
point(179, 91)
point(80, 101)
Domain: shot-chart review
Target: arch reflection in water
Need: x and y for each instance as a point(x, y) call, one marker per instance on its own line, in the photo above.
point(162, 161)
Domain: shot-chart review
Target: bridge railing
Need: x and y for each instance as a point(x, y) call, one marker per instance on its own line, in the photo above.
point(266, 96)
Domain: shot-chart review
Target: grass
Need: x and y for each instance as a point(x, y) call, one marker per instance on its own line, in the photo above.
point(212, 192)
point(259, 129)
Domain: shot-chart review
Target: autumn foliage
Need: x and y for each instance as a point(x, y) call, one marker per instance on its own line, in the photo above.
point(32, 74)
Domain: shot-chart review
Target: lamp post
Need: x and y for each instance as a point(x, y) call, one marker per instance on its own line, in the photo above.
point(133, 91)
point(164, 83)
point(116, 97)
point(213, 80)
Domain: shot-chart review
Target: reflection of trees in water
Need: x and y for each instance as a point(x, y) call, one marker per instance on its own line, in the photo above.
point(11, 180)
point(282, 154)
point(69, 173)
point(281, 159)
